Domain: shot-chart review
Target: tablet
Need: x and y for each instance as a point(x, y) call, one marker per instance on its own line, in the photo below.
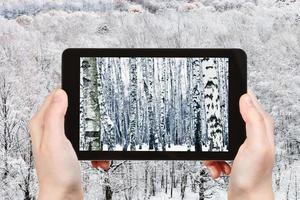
point(154, 104)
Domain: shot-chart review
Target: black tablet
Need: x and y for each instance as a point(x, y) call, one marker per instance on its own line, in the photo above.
point(154, 104)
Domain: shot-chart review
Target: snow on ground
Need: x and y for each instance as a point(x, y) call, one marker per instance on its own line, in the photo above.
point(217, 195)
point(176, 195)
point(289, 186)
point(145, 147)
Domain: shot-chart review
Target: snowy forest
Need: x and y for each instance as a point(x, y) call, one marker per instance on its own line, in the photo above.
point(34, 33)
point(160, 104)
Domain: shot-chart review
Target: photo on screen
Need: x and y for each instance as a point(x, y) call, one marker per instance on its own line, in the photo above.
point(154, 104)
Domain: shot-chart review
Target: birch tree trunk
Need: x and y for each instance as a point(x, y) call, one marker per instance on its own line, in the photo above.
point(107, 125)
point(145, 97)
point(196, 68)
point(212, 104)
point(163, 104)
point(149, 90)
point(223, 92)
point(90, 116)
point(156, 101)
point(179, 106)
point(183, 183)
point(189, 103)
point(133, 103)
point(141, 121)
point(120, 101)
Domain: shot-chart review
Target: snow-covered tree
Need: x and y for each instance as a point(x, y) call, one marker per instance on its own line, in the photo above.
point(189, 103)
point(90, 109)
point(33, 34)
point(133, 87)
point(196, 97)
point(163, 102)
point(149, 90)
point(105, 122)
point(212, 104)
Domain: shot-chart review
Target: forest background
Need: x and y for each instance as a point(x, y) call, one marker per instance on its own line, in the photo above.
point(156, 104)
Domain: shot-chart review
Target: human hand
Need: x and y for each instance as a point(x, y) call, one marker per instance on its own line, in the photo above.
point(56, 163)
point(103, 164)
point(251, 171)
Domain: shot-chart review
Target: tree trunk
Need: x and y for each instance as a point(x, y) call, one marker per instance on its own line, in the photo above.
point(133, 103)
point(196, 68)
point(163, 104)
point(189, 104)
point(183, 182)
point(149, 90)
point(105, 121)
point(212, 104)
point(107, 188)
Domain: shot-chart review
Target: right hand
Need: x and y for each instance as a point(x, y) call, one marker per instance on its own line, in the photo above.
point(251, 172)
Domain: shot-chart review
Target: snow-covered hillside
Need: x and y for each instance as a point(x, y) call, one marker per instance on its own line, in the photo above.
point(34, 33)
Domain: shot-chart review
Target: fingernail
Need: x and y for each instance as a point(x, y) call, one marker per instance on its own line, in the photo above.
point(226, 171)
point(211, 172)
point(57, 96)
point(248, 100)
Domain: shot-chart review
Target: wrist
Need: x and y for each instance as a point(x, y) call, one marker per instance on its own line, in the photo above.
point(60, 193)
point(263, 191)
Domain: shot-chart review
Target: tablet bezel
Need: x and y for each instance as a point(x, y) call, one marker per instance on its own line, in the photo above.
point(237, 87)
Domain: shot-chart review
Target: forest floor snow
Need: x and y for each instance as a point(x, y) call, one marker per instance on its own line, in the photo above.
point(289, 182)
point(145, 147)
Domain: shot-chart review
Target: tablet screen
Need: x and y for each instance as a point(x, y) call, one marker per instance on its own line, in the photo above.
point(154, 104)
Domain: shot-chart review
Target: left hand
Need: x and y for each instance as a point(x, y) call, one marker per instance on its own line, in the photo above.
point(56, 163)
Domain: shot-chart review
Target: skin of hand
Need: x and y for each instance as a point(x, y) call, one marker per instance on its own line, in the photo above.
point(56, 163)
point(251, 171)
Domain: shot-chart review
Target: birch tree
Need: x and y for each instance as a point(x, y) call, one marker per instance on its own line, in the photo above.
point(212, 104)
point(91, 114)
point(120, 114)
point(133, 103)
point(189, 103)
point(105, 122)
point(149, 90)
point(222, 65)
point(196, 68)
point(142, 125)
point(163, 85)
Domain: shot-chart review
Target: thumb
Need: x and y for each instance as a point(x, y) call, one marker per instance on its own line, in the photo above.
point(55, 114)
point(255, 127)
